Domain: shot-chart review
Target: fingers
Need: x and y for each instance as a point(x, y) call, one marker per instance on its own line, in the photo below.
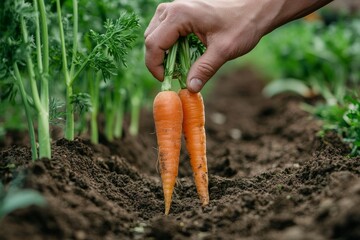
point(163, 31)
point(160, 40)
point(204, 68)
point(153, 51)
point(156, 20)
point(171, 21)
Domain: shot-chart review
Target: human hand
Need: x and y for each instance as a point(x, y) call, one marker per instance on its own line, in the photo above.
point(228, 28)
point(226, 32)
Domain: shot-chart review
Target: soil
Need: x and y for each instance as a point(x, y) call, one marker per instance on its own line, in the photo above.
point(271, 177)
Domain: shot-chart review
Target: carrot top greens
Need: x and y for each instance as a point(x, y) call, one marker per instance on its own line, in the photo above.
point(170, 68)
point(178, 61)
point(36, 41)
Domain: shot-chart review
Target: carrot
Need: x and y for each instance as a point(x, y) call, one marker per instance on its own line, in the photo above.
point(168, 117)
point(194, 133)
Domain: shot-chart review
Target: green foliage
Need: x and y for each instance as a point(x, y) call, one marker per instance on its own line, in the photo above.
point(8, 90)
point(178, 60)
point(314, 59)
point(12, 47)
point(325, 58)
point(56, 111)
point(343, 119)
point(81, 102)
point(197, 48)
point(14, 197)
point(22, 64)
point(79, 61)
point(114, 43)
point(75, 53)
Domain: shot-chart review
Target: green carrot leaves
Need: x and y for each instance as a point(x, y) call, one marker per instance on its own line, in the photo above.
point(113, 45)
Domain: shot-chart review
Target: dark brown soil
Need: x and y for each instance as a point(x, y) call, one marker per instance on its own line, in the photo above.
point(271, 177)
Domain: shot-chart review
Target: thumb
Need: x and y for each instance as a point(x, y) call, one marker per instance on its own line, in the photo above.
point(204, 68)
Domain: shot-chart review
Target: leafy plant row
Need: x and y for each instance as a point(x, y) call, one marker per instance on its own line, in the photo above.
point(69, 62)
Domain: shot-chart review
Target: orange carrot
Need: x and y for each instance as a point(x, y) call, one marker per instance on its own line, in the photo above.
point(168, 117)
point(194, 132)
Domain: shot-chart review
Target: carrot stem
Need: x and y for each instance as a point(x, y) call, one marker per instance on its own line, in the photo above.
point(42, 114)
point(135, 111)
point(24, 99)
point(185, 60)
point(120, 110)
point(94, 82)
point(169, 68)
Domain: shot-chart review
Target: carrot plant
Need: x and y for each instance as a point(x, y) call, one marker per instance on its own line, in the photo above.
point(109, 50)
point(37, 41)
point(26, 61)
point(120, 93)
point(116, 49)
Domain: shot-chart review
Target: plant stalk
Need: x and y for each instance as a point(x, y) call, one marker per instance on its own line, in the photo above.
point(69, 127)
point(44, 69)
point(109, 118)
point(43, 116)
point(44, 135)
point(94, 93)
point(120, 112)
point(135, 112)
point(75, 36)
point(185, 60)
point(69, 123)
point(18, 78)
point(169, 68)
point(38, 40)
point(44, 34)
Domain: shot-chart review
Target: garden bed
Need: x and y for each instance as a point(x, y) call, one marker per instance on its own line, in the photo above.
point(270, 177)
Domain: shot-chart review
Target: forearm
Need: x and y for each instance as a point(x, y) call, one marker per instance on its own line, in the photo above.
point(280, 12)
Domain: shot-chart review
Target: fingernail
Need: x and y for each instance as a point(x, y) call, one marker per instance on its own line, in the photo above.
point(195, 84)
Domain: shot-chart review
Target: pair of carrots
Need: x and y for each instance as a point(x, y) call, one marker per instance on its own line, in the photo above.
point(177, 113)
point(174, 114)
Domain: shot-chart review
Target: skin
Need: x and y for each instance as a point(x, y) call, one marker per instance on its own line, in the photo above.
point(228, 28)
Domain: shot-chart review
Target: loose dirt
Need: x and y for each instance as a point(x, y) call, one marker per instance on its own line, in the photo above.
point(271, 177)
